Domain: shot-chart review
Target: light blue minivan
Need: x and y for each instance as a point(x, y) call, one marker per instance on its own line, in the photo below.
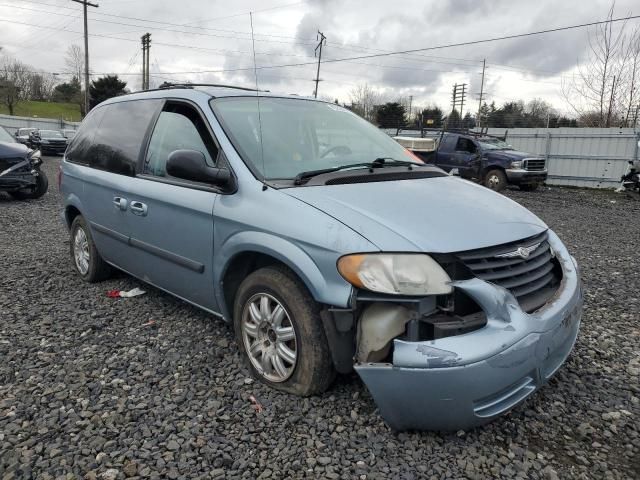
point(328, 246)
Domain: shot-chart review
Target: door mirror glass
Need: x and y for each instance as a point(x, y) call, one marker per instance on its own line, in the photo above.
point(192, 165)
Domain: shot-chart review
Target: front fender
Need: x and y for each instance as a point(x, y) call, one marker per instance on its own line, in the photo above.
point(327, 288)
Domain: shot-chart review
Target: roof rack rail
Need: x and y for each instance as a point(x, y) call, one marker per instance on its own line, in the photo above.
point(167, 85)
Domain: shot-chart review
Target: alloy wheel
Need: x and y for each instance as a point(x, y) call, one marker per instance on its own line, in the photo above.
point(269, 337)
point(81, 251)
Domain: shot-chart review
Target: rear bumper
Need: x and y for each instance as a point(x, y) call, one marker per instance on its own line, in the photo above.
point(523, 177)
point(464, 381)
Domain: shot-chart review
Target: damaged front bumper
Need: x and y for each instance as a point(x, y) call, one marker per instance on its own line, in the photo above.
point(463, 381)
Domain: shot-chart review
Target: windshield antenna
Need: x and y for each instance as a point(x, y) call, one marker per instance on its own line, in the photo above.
point(255, 74)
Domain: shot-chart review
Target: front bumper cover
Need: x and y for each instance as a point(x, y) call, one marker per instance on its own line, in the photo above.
point(522, 177)
point(16, 176)
point(464, 381)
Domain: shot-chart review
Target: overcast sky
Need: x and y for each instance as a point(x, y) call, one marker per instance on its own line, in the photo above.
point(214, 35)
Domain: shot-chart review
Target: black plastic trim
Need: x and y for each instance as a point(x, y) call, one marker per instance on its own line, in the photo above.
point(109, 232)
point(166, 255)
point(152, 249)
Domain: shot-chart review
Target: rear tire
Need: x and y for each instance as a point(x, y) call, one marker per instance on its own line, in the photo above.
point(84, 255)
point(529, 187)
point(279, 331)
point(495, 180)
point(37, 191)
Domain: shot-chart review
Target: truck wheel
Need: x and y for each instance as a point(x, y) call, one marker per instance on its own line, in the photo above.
point(279, 330)
point(36, 191)
point(86, 259)
point(529, 187)
point(495, 180)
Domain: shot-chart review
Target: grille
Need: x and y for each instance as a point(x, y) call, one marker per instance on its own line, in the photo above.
point(532, 280)
point(535, 164)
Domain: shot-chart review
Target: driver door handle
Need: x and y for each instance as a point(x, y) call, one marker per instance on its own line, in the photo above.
point(138, 208)
point(120, 203)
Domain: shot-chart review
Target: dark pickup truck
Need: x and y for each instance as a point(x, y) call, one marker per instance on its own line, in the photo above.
point(488, 160)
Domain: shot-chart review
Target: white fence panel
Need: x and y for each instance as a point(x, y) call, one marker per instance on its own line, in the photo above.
point(12, 123)
point(579, 157)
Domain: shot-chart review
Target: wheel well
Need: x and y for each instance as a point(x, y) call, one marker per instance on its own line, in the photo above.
point(239, 268)
point(70, 214)
point(493, 167)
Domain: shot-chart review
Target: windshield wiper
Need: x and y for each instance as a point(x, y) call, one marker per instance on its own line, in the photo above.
point(379, 162)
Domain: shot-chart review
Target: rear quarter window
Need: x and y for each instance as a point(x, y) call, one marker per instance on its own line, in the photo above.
point(120, 135)
point(78, 149)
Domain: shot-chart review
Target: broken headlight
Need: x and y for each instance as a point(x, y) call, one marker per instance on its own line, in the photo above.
point(395, 273)
point(36, 157)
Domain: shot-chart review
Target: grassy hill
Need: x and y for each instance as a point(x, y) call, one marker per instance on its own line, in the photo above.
point(66, 111)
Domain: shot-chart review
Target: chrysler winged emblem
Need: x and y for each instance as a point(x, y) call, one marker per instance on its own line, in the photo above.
point(522, 252)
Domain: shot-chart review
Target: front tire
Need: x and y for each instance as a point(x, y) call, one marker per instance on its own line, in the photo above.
point(84, 255)
point(279, 330)
point(36, 191)
point(495, 180)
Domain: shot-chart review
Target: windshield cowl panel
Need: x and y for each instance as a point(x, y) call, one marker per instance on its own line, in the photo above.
point(281, 138)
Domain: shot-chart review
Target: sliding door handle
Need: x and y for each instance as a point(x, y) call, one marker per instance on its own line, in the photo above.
point(138, 208)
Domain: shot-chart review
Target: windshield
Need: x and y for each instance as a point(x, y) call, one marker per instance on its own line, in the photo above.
point(50, 134)
point(301, 135)
point(494, 144)
point(6, 136)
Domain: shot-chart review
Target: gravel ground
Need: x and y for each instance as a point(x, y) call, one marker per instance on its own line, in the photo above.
point(89, 389)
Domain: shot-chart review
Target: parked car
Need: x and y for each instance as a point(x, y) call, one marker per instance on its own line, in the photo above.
point(22, 135)
point(68, 133)
point(20, 173)
point(485, 159)
point(329, 247)
point(48, 141)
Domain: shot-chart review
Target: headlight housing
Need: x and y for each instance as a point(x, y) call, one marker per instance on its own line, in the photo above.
point(516, 164)
point(395, 273)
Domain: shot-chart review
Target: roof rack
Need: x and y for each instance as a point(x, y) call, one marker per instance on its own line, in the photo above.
point(167, 85)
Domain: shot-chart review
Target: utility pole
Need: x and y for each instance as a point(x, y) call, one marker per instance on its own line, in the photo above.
point(86, 4)
point(146, 47)
point(318, 52)
point(410, 102)
point(458, 97)
point(484, 63)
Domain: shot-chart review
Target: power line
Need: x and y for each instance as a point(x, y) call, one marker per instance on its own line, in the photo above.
point(344, 47)
point(436, 47)
point(157, 22)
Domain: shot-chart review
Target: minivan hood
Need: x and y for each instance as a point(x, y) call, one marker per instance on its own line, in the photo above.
point(439, 215)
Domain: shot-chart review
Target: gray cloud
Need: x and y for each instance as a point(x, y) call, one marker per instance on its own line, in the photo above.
point(353, 28)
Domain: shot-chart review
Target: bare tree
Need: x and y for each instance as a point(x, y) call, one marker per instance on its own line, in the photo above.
point(14, 82)
point(594, 92)
point(364, 100)
point(41, 86)
point(631, 77)
point(74, 61)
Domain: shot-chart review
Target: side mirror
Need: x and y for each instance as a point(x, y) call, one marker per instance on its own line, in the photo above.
point(192, 165)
